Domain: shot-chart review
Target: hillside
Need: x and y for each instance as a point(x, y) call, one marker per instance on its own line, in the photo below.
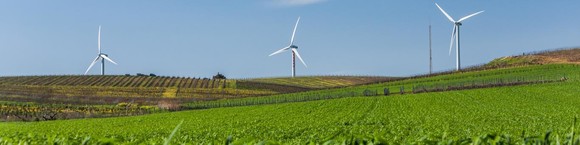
point(447, 82)
point(142, 89)
point(525, 114)
point(322, 82)
point(358, 111)
point(149, 89)
point(568, 56)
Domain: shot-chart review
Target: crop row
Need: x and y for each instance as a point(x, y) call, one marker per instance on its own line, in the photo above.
point(253, 85)
point(115, 81)
point(43, 112)
point(505, 72)
point(473, 80)
point(486, 83)
point(302, 97)
point(531, 72)
point(513, 114)
point(510, 115)
point(96, 91)
point(322, 82)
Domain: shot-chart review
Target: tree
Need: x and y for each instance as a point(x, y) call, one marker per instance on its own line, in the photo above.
point(219, 76)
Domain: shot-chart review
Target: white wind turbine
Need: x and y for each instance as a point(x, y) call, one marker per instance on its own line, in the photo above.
point(294, 49)
point(100, 56)
point(455, 34)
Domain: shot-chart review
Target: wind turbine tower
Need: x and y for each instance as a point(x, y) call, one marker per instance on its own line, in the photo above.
point(430, 53)
point(100, 56)
point(294, 50)
point(455, 34)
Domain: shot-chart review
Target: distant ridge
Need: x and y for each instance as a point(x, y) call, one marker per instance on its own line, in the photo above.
point(568, 55)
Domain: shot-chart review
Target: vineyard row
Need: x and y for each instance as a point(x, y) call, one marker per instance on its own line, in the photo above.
point(116, 81)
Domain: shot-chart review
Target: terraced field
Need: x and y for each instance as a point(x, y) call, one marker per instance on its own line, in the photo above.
point(537, 113)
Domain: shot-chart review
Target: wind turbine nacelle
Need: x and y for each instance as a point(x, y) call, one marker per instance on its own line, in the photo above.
point(294, 46)
point(104, 54)
point(458, 23)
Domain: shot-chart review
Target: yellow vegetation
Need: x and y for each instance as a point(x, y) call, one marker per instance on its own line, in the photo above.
point(170, 92)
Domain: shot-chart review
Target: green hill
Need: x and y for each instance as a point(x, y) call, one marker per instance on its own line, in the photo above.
point(510, 114)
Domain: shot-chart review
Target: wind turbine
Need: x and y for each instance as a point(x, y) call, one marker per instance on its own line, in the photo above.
point(100, 56)
point(455, 34)
point(294, 49)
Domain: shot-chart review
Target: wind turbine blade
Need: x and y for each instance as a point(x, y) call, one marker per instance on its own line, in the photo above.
point(279, 51)
point(108, 59)
point(93, 63)
point(298, 55)
point(469, 16)
point(294, 32)
point(99, 40)
point(453, 35)
point(447, 15)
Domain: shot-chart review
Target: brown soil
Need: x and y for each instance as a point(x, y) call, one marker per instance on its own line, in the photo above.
point(561, 56)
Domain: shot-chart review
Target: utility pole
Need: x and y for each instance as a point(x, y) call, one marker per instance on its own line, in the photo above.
point(430, 52)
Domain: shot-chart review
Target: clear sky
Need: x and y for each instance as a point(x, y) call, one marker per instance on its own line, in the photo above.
point(198, 38)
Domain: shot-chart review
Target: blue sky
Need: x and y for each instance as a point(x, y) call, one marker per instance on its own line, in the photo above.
point(198, 38)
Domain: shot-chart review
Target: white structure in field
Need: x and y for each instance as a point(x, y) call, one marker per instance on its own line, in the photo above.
point(100, 56)
point(294, 49)
point(455, 33)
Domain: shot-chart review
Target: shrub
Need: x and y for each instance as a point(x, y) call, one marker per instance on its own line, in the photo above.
point(219, 76)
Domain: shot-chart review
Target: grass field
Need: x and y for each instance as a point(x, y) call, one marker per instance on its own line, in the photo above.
point(513, 114)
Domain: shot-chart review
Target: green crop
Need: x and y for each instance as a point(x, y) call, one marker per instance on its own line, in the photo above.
point(541, 113)
point(536, 113)
point(536, 73)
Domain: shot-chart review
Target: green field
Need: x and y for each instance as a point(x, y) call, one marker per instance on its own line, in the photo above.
point(551, 71)
point(513, 114)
